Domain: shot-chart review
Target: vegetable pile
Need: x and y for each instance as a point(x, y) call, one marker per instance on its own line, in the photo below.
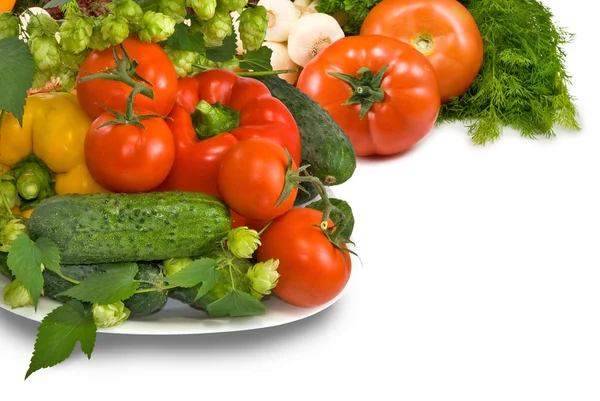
point(144, 159)
point(182, 149)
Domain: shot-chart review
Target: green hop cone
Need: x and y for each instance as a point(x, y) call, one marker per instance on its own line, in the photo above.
point(10, 229)
point(17, 296)
point(230, 64)
point(67, 78)
point(156, 27)
point(73, 61)
point(182, 60)
point(9, 25)
point(253, 27)
point(174, 265)
point(242, 242)
point(232, 5)
point(45, 51)
point(114, 29)
point(204, 9)
point(174, 9)
point(129, 10)
point(110, 315)
point(217, 28)
point(41, 79)
point(263, 277)
point(75, 33)
point(41, 24)
point(97, 41)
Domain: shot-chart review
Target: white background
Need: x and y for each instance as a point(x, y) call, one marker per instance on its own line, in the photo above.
point(480, 281)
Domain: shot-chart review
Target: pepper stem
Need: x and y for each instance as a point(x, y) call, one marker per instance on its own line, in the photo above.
point(366, 88)
point(212, 119)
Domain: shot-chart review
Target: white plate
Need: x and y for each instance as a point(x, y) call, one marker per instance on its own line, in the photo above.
point(179, 318)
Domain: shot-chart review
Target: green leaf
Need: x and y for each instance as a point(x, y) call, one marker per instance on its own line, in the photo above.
point(236, 304)
point(257, 60)
point(25, 262)
point(182, 39)
point(49, 253)
point(199, 271)
point(225, 52)
point(58, 333)
point(16, 76)
point(117, 283)
point(149, 5)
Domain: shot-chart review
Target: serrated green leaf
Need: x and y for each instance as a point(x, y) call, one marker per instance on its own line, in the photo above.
point(225, 52)
point(257, 60)
point(56, 3)
point(16, 76)
point(25, 262)
point(117, 283)
point(199, 271)
point(58, 333)
point(236, 304)
point(50, 254)
point(182, 39)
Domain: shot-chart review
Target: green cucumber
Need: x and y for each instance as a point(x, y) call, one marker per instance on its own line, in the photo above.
point(325, 146)
point(346, 210)
point(110, 228)
point(139, 304)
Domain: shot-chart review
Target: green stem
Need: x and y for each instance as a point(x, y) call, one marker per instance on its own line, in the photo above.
point(366, 88)
point(155, 289)
point(70, 280)
point(210, 120)
point(29, 185)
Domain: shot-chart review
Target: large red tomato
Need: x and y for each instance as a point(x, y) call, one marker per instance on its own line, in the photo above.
point(381, 91)
point(443, 30)
point(127, 158)
point(153, 65)
point(312, 270)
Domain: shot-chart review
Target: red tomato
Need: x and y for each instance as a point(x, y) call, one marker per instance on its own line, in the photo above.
point(153, 65)
point(399, 109)
point(237, 220)
point(126, 158)
point(312, 270)
point(443, 30)
point(251, 177)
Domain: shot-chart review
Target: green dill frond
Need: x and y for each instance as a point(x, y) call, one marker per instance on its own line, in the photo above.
point(522, 83)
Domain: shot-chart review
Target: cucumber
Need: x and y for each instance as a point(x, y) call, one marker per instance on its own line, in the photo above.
point(109, 228)
point(344, 208)
point(139, 304)
point(325, 146)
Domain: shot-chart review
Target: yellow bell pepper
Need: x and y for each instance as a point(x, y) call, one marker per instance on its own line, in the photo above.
point(54, 129)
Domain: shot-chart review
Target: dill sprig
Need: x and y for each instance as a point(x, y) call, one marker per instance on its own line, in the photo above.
point(523, 83)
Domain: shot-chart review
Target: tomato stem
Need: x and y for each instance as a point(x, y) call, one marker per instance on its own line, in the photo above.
point(366, 88)
point(125, 71)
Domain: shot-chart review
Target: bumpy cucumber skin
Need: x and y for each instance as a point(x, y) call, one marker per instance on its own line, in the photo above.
point(139, 304)
point(325, 146)
point(109, 228)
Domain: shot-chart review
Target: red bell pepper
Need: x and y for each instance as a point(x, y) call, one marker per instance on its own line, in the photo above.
point(214, 110)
